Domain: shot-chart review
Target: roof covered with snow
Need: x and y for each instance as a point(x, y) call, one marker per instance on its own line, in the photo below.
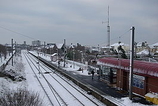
point(143, 52)
point(54, 54)
point(155, 44)
point(141, 67)
point(59, 46)
point(119, 44)
point(139, 44)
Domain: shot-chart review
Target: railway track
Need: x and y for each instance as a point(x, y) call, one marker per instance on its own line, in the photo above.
point(59, 92)
point(38, 79)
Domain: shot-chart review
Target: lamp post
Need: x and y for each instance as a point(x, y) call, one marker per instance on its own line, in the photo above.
point(119, 62)
point(38, 63)
point(44, 48)
point(65, 51)
point(57, 54)
point(12, 51)
point(131, 62)
point(73, 58)
point(81, 56)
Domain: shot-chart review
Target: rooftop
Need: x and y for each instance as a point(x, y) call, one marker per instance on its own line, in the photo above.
point(140, 67)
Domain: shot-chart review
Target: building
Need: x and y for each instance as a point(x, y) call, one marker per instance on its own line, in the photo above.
point(140, 46)
point(36, 43)
point(145, 74)
point(154, 47)
point(116, 45)
point(51, 48)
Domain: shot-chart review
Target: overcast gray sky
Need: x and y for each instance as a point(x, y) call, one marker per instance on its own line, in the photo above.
point(78, 21)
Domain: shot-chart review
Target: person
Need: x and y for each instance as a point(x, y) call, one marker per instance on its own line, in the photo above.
point(92, 72)
point(58, 63)
point(98, 73)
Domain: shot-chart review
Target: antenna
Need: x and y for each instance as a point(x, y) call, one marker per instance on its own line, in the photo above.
point(108, 29)
point(108, 15)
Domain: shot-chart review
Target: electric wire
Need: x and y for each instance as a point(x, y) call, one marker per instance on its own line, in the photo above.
point(17, 33)
point(118, 37)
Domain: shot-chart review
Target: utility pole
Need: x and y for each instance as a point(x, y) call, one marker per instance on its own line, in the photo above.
point(73, 58)
point(15, 48)
point(44, 47)
point(12, 50)
point(64, 51)
point(131, 62)
point(38, 64)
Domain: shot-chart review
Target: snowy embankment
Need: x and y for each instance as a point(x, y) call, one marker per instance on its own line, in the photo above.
point(12, 77)
point(11, 81)
point(15, 78)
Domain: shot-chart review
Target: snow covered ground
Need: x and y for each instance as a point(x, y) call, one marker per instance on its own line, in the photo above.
point(7, 83)
point(31, 83)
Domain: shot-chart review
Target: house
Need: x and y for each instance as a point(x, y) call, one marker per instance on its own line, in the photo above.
point(36, 43)
point(145, 74)
point(154, 47)
point(54, 57)
point(60, 48)
point(144, 52)
point(124, 46)
point(94, 50)
point(105, 49)
point(51, 48)
point(141, 46)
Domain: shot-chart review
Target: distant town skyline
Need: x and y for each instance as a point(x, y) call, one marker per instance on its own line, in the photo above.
point(78, 21)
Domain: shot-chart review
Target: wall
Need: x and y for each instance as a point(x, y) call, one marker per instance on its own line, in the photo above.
point(141, 84)
point(152, 84)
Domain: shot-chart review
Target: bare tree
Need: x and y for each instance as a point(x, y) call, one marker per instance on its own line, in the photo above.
point(20, 97)
point(3, 50)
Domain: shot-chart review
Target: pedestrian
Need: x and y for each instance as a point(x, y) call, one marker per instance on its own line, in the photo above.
point(58, 63)
point(98, 73)
point(92, 72)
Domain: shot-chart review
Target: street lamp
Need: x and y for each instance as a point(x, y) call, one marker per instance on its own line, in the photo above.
point(38, 63)
point(119, 60)
point(131, 62)
point(73, 58)
point(81, 56)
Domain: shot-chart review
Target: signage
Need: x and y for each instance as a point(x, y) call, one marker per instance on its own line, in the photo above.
point(138, 81)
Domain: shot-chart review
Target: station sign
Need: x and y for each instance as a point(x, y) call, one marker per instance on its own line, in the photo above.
point(138, 81)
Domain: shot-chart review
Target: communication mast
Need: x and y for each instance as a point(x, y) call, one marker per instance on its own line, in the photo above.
point(108, 30)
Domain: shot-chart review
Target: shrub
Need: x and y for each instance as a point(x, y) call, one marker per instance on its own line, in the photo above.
point(20, 97)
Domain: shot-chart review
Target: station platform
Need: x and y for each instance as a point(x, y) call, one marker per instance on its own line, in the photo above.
point(105, 89)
